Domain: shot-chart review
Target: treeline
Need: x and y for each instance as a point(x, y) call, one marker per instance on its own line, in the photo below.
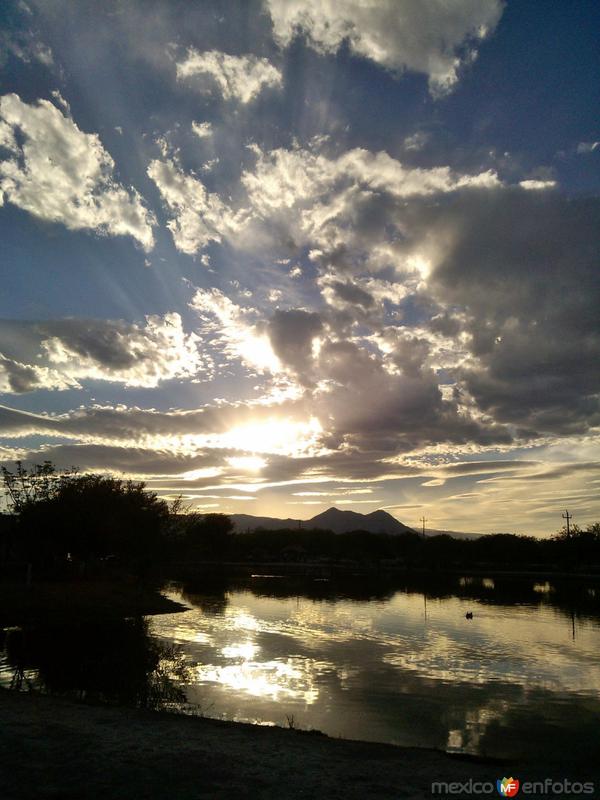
point(581, 548)
point(56, 519)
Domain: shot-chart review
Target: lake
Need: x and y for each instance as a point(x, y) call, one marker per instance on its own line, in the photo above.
point(394, 663)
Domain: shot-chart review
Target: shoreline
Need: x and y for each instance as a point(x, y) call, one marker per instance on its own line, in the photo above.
point(336, 569)
point(52, 602)
point(55, 747)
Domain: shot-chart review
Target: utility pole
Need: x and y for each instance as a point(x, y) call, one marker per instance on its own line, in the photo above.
point(423, 520)
point(568, 517)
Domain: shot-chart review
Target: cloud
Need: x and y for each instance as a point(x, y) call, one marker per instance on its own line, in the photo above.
point(234, 330)
point(283, 178)
point(200, 217)
point(416, 141)
point(25, 45)
point(348, 293)
point(537, 185)
point(240, 78)
point(523, 267)
point(432, 37)
point(61, 353)
point(292, 334)
point(202, 129)
point(17, 378)
point(131, 461)
point(60, 174)
point(502, 281)
point(583, 148)
point(338, 207)
point(299, 197)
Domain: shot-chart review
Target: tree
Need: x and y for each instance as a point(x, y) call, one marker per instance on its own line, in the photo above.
point(209, 536)
point(25, 486)
point(85, 516)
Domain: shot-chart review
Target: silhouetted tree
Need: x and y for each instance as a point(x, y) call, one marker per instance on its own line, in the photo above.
point(208, 536)
point(85, 516)
point(23, 486)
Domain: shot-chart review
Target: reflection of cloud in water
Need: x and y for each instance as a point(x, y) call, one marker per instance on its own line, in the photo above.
point(393, 670)
point(294, 678)
point(476, 723)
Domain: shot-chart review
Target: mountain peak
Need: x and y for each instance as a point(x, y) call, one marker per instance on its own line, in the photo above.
point(345, 521)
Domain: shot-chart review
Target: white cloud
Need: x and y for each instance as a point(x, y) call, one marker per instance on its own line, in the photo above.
point(17, 377)
point(587, 147)
point(537, 185)
point(433, 37)
point(200, 216)
point(327, 203)
point(416, 141)
point(296, 195)
point(286, 178)
point(61, 174)
point(202, 129)
point(25, 46)
point(239, 337)
point(237, 77)
point(69, 351)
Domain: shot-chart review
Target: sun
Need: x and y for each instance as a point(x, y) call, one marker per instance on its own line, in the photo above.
point(247, 463)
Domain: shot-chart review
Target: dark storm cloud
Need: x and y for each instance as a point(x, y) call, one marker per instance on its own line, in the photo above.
point(525, 267)
point(351, 293)
point(373, 410)
point(292, 334)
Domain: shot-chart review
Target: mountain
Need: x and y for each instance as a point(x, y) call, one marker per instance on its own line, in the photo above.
point(344, 521)
point(247, 522)
point(333, 520)
point(340, 522)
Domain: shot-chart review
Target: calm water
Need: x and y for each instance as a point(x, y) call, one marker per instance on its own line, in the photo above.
point(520, 677)
point(399, 665)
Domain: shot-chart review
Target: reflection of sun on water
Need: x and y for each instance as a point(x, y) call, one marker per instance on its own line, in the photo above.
point(244, 651)
point(293, 678)
point(245, 622)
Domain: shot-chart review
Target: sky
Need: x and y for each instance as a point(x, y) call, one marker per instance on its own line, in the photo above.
point(282, 255)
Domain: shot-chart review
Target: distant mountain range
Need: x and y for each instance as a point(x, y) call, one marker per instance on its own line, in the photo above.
point(332, 520)
point(339, 522)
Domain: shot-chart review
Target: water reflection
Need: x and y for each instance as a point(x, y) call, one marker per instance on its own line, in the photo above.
point(401, 664)
point(115, 662)
point(372, 659)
